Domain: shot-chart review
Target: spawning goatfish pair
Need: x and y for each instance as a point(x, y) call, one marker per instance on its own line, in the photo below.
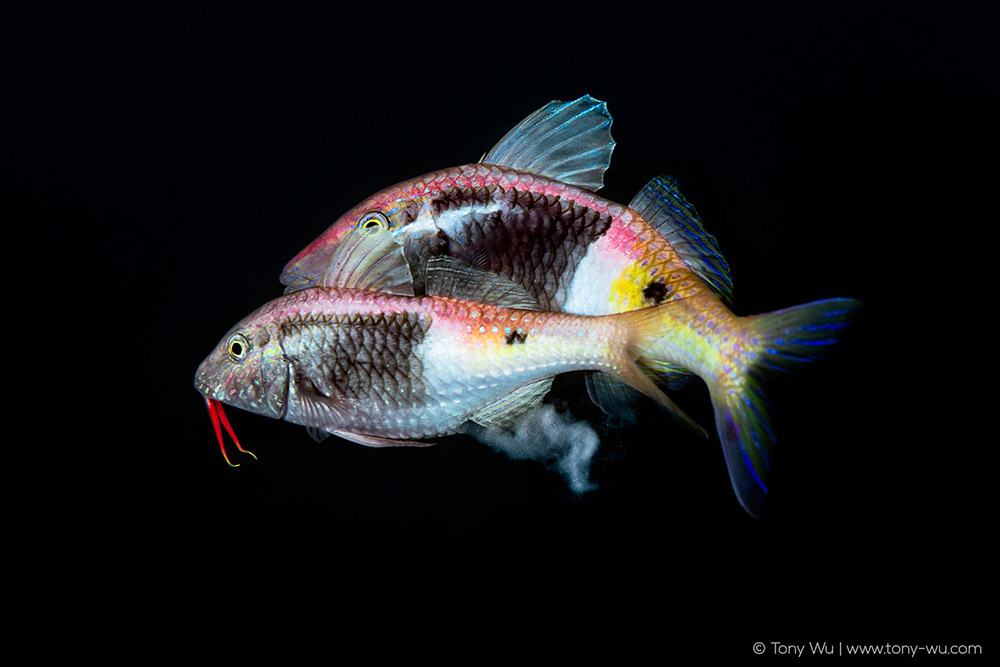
point(527, 213)
point(371, 363)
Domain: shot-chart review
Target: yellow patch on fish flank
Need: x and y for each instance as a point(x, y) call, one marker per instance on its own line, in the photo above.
point(626, 289)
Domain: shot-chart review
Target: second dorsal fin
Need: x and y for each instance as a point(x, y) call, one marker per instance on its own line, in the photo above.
point(665, 207)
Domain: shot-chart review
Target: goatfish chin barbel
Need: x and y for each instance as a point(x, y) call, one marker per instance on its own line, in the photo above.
point(371, 364)
point(528, 212)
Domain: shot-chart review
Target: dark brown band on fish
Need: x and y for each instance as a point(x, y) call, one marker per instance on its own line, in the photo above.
point(508, 232)
point(355, 357)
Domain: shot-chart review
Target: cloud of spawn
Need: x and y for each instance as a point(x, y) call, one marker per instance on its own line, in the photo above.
point(556, 440)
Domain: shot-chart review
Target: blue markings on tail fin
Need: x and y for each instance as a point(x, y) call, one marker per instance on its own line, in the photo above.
point(780, 341)
point(741, 418)
point(789, 337)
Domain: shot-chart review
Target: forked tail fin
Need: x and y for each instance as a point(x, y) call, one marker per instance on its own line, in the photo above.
point(778, 341)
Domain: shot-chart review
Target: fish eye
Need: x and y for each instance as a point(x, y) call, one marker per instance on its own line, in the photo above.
point(238, 347)
point(373, 219)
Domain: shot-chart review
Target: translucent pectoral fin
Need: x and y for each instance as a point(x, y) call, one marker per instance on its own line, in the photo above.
point(368, 259)
point(456, 278)
point(324, 417)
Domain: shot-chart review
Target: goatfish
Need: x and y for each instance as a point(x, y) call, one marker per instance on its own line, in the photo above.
point(528, 211)
point(372, 363)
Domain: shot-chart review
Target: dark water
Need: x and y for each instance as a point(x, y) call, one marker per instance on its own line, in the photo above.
point(159, 167)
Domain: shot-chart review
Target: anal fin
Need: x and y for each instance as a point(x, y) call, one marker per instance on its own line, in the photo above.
point(505, 412)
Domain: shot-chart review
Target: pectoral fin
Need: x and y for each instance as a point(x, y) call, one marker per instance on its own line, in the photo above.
point(367, 259)
point(456, 278)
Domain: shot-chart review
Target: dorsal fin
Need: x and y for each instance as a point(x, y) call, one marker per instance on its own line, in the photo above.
point(367, 259)
point(665, 207)
point(456, 278)
point(566, 141)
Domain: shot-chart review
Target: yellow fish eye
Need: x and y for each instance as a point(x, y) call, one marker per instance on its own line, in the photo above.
point(373, 219)
point(238, 347)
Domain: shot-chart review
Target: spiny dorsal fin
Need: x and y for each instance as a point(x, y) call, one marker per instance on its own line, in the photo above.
point(665, 207)
point(505, 412)
point(368, 259)
point(566, 141)
point(456, 278)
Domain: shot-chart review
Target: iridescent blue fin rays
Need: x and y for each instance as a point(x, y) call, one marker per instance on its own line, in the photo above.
point(566, 141)
point(782, 340)
point(665, 207)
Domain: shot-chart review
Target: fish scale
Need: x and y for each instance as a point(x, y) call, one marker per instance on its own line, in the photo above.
point(349, 355)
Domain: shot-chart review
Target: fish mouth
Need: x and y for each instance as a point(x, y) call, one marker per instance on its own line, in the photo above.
point(202, 388)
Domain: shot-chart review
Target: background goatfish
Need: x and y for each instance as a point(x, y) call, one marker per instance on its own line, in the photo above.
point(385, 369)
point(527, 211)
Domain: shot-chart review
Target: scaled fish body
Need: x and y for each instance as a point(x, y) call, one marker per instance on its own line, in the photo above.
point(527, 211)
point(384, 369)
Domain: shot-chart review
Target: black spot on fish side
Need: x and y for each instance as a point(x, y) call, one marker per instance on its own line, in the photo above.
point(654, 292)
point(516, 337)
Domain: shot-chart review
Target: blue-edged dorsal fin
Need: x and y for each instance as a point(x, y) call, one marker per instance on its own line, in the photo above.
point(456, 278)
point(367, 259)
point(566, 141)
point(505, 412)
point(665, 207)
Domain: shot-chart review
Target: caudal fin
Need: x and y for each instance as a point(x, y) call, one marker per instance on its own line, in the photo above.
point(778, 341)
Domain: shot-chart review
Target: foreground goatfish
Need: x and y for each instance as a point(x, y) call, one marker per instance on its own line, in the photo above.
point(527, 211)
point(385, 369)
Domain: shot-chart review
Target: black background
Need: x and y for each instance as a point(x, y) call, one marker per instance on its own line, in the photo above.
point(160, 164)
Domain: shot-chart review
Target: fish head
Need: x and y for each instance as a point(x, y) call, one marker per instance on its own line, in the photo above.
point(247, 369)
point(402, 210)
